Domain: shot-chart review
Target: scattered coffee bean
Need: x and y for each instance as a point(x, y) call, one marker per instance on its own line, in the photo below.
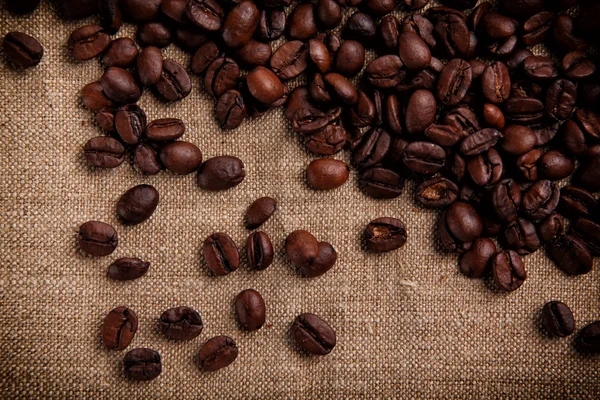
point(508, 269)
point(93, 97)
point(137, 204)
point(126, 269)
point(142, 365)
point(149, 66)
point(475, 262)
point(259, 251)
point(174, 83)
point(302, 248)
point(557, 318)
point(436, 193)
point(217, 353)
point(130, 123)
point(385, 234)
point(120, 86)
point(221, 173)
point(221, 254)
point(104, 152)
point(571, 255)
point(119, 328)
point(313, 334)
point(87, 42)
point(121, 53)
point(147, 160)
point(97, 238)
point(181, 323)
point(588, 338)
point(250, 310)
point(324, 262)
point(22, 50)
point(181, 157)
point(259, 212)
point(327, 173)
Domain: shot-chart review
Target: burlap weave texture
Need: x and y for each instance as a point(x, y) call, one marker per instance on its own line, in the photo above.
point(408, 324)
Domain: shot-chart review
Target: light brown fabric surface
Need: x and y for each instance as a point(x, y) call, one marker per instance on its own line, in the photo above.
point(408, 324)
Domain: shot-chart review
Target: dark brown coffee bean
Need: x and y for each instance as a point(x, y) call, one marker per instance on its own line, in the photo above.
point(545, 132)
point(181, 157)
point(290, 59)
point(204, 57)
point(420, 111)
point(456, 167)
point(388, 31)
point(414, 52)
point(110, 15)
point(240, 24)
point(154, 34)
point(271, 25)
point(259, 251)
point(381, 183)
point(341, 88)
point(319, 55)
point(149, 65)
point(231, 109)
point(560, 99)
point(454, 81)
point(142, 365)
point(493, 116)
point(363, 112)
point(301, 248)
point(165, 129)
point(106, 119)
point(518, 139)
point(509, 272)
point(327, 141)
point(127, 269)
point(506, 199)
point(515, 61)
point(540, 199)
point(174, 83)
point(130, 123)
point(87, 42)
point(361, 27)
point(175, 10)
point(221, 254)
point(521, 236)
point(264, 85)
point(588, 338)
point(372, 149)
point(424, 158)
point(93, 97)
point(254, 53)
point(436, 193)
point(22, 50)
point(137, 204)
point(555, 166)
point(576, 202)
point(217, 353)
point(463, 222)
point(536, 28)
point(221, 173)
point(147, 160)
point(181, 323)
point(463, 119)
point(448, 240)
point(393, 114)
point(551, 227)
point(498, 26)
point(577, 66)
point(480, 141)
point(97, 238)
point(221, 75)
point(190, 39)
point(104, 152)
point(250, 310)
point(119, 328)
point(571, 255)
point(120, 86)
point(327, 173)
point(495, 82)
point(308, 120)
point(205, 14)
point(140, 10)
point(528, 164)
point(485, 168)
point(385, 72)
point(540, 68)
point(121, 53)
point(453, 36)
point(418, 24)
point(324, 262)
point(475, 262)
point(302, 24)
point(259, 212)
point(313, 334)
point(328, 13)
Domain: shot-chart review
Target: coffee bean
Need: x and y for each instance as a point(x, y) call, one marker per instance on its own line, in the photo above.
point(221, 254)
point(290, 59)
point(130, 123)
point(313, 334)
point(381, 183)
point(454, 81)
point(420, 25)
point(576, 202)
point(493, 116)
point(540, 68)
point(221, 173)
point(589, 233)
point(93, 97)
point(308, 120)
point(301, 248)
point(448, 240)
point(119, 328)
point(385, 72)
point(560, 99)
point(174, 83)
point(149, 65)
point(518, 139)
point(588, 338)
point(154, 34)
point(250, 310)
point(87, 42)
point(436, 193)
point(181, 323)
point(271, 25)
point(165, 129)
point(259, 212)
point(341, 88)
point(555, 166)
point(106, 119)
point(137, 204)
point(22, 50)
point(456, 167)
point(104, 152)
point(181, 157)
point(205, 14)
point(515, 61)
point(454, 38)
point(147, 160)
point(204, 57)
point(506, 199)
point(222, 75)
point(480, 141)
point(463, 221)
point(475, 262)
point(571, 255)
point(388, 31)
point(539, 200)
point(319, 55)
point(420, 111)
point(254, 53)
point(328, 13)
point(327, 174)
point(121, 53)
point(521, 236)
point(190, 39)
point(577, 66)
point(120, 86)
point(231, 109)
point(217, 353)
point(240, 24)
point(110, 15)
point(363, 112)
point(414, 52)
point(463, 120)
point(536, 28)
point(327, 141)
point(551, 227)
point(264, 85)
point(372, 149)
point(362, 28)
point(523, 110)
point(509, 272)
point(126, 269)
point(140, 10)
point(259, 251)
point(495, 82)
point(175, 10)
point(424, 158)
point(385, 234)
point(324, 262)
point(21, 6)
point(557, 318)
point(302, 23)
point(527, 164)
point(97, 238)
point(142, 365)
point(393, 115)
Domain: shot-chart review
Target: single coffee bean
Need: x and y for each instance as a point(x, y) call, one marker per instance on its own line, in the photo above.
point(576, 202)
point(385, 234)
point(381, 183)
point(518, 139)
point(181, 323)
point(540, 199)
point(110, 15)
point(414, 52)
point(588, 338)
point(493, 116)
point(545, 132)
point(571, 255)
point(506, 199)
point(121, 53)
point(327, 174)
point(557, 318)
point(480, 141)
point(127, 269)
point(309, 120)
point(555, 166)
point(454, 37)
point(140, 10)
point(221, 173)
point(560, 99)
point(106, 119)
point(551, 227)
point(372, 149)
point(363, 112)
point(205, 14)
point(142, 365)
point(22, 50)
point(181, 157)
point(528, 164)
point(174, 83)
point(495, 82)
point(393, 115)
point(319, 55)
point(508, 270)
point(361, 27)
point(290, 59)
point(97, 238)
point(385, 72)
point(204, 57)
point(259, 251)
point(420, 111)
point(485, 168)
point(254, 53)
point(463, 119)
point(475, 262)
point(523, 110)
point(302, 248)
point(540, 68)
point(175, 10)
point(120, 86)
point(450, 243)
point(537, 28)
point(21, 6)
point(149, 66)
point(93, 97)
point(104, 152)
point(119, 328)
point(137, 204)
point(454, 81)
point(147, 160)
point(271, 24)
point(165, 130)
point(221, 254)
point(498, 26)
point(313, 334)
point(302, 24)
point(327, 141)
point(217, 353)
point(328, 13)
point(388, 31)
point(154, 34)
point(436, 193)
point(515, 61)
point(424, 158)
point(463, 221)
point(231, 109)
point(250, 310)
point(415, 23)
point(521, 236)
point(577, 66)
point(222, 75)
point(264, 85)
point(341, 88)
point(87, 42)
point(324, 262)
point(589, 233)
point(240, 24)
point(259, 212)
point(130, 123)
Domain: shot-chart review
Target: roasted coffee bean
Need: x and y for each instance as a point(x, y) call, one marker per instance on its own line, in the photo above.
point(87, 42)
point(420, 111)
point(97, 238)
point(495, 82)
point(259, 251)
point(540, 68)
point(436, 193)
point(462, 119)
point(175, 10)
point(290, 59)
point(456, 167)
point(181, 323)
point(506, 199)
point(589, 122)
point(424, 158)
point(119, 328)
point(341, 88)
point(588, 175)
point(302, 24)
point(165, 129)
point(221, 75)
point(385, 72)
point(217, 353)
point(204, 57)
point(378, 8)
point(463, 222)
point(545, 132)
point(140, 10)
point(498, 26)
point(130, 123)
point(588, 338)
point(324, 262)
point(254, 53)
point(589, 233)
point(571, 255)
point(120, 86)
point(518, 139)
point(149, 65)
point(221, 254)
point(472, 194)
point(362, 113)
point(448, 240)
point(250, 310)
point(181, 157)
point(93, 97)
point(327, 174)
point(328, 13)
point(231, 109)
point(147, 160)
point(127, 269)
point(104, 152)
point(453, 36)
point(106, 119)
point(381, 183)
point(271, 24)
point(539, 200)
point(573, 138)
point(259, 212)
point(475, 262)
point(110, 15)
point(205, 14)
point(555, 166)
point(361, 27)
point(190, 39)
point(480, 141)
point(528, 164)
point(240, 24)
point(313, 334)
point(493, 116)
point(454, 81)
point(551, 227)
point(508, 270)
point(22, 50)
point(137, 204)
point(393, 115)
point(577, 66)
point(515, 61)
point(536, 28)
point(350, 58)
point(327, 141)
point(388, 31)
point(521, 236)
point(414, 52)
point(372, 149)
point(121, 53)
point(308, 120)
point(264, 85)
point(142, 365)
point(221, 173)
point(576, 202)
point(154, 34)
point(174, 83)
point(560, 99)
point(301, 248)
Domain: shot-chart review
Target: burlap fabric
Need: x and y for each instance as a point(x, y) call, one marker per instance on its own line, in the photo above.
point(408, 324)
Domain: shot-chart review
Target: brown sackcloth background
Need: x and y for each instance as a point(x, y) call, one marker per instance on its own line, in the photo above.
point(408, 324)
